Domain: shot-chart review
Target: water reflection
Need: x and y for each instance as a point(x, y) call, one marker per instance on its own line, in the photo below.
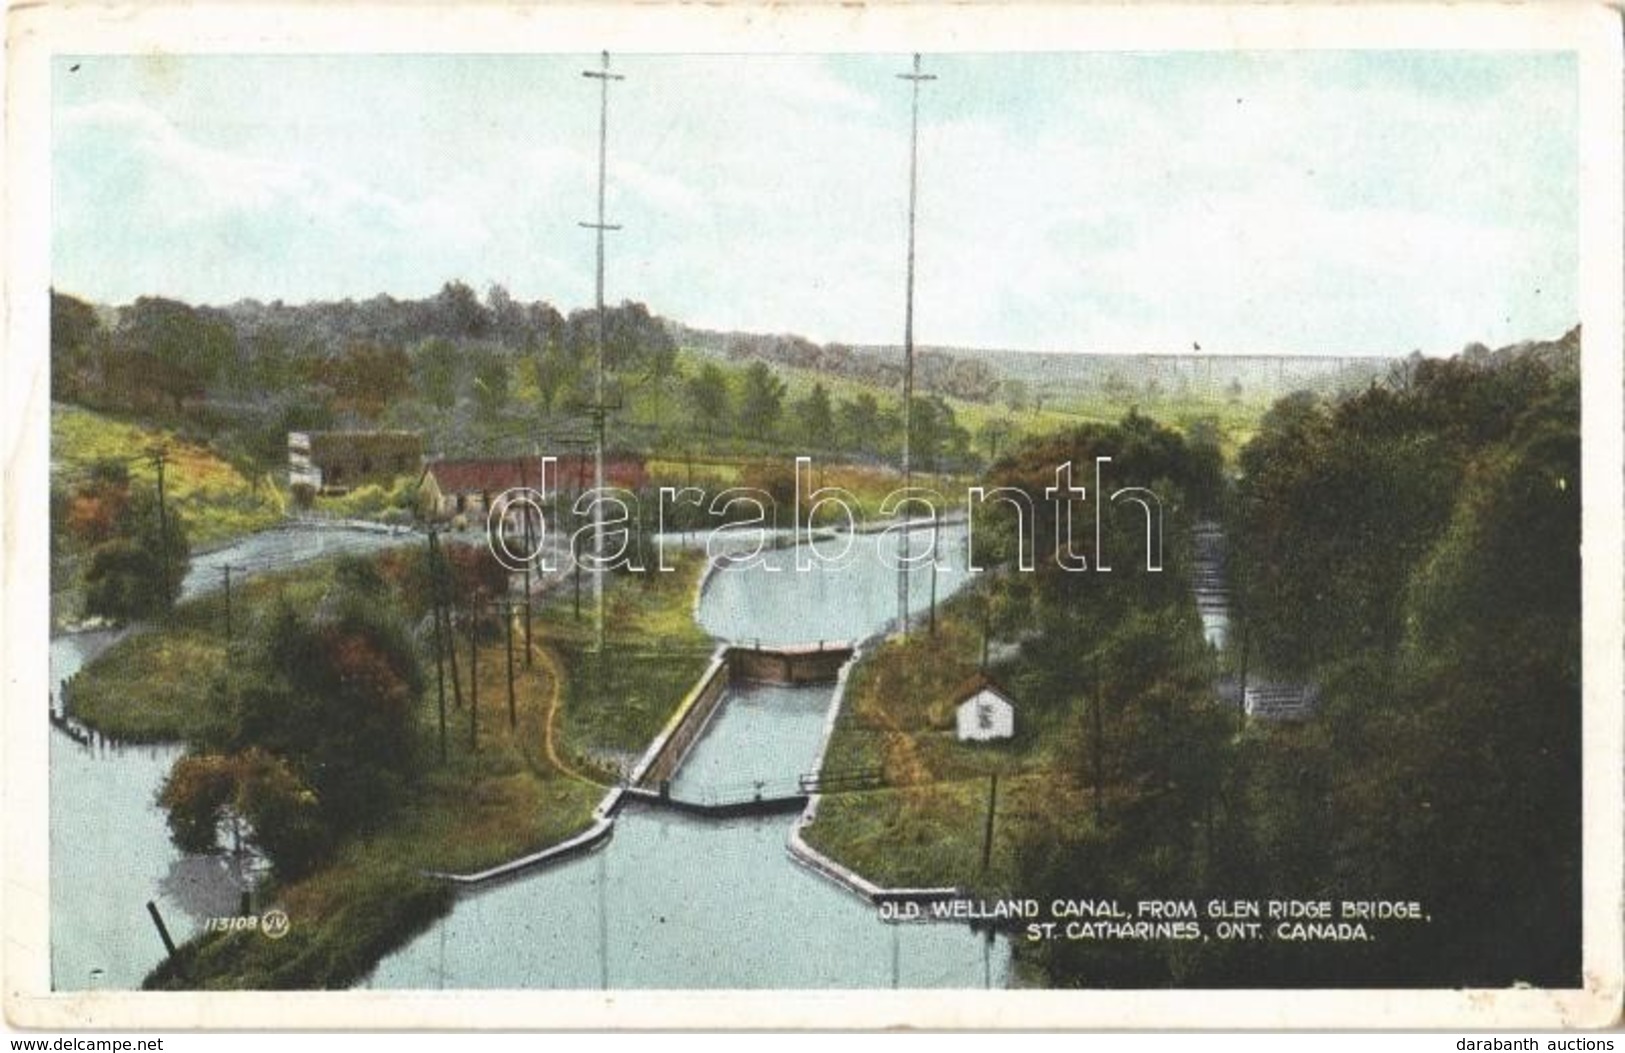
point(110, 850)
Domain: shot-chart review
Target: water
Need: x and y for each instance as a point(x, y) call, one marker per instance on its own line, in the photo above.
point(110, 853)
point(777, 604)
point(273, 550)
point(670, 901)
point(676, 901)
point(762, 734)
point(1210, 585)
point(110, 848)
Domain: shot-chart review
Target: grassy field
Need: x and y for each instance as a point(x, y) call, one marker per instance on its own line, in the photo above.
point(528, 784)
point(1234, 419)
point(927, 826)
point(616, 702)
point(164, 684)
point(217, 502)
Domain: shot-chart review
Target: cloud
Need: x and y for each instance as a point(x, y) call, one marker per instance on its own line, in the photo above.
point(1288, 202)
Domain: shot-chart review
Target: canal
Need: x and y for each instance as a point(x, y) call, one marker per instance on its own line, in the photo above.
point(110, 851)
point(672, 900)
point(678, 901)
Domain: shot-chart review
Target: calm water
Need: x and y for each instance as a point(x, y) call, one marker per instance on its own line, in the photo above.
point(670, 901)
point(676, 901)
point(679, 902)
point(777, 604)
point(764, 735)
point(110, 849)
point(110, 853)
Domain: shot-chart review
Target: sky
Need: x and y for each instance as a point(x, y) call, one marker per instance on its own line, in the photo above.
point(1300, 202)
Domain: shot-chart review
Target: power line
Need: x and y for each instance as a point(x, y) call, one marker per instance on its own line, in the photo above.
point(603, 76)
point(915, 78)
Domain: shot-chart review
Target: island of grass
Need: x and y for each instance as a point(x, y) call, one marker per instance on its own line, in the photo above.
point(533, 781)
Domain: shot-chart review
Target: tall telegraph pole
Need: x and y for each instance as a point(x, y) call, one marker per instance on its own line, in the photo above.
point(914, 77)
point(603, 76)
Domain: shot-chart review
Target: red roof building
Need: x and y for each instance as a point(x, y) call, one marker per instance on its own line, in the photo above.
point(468, 486)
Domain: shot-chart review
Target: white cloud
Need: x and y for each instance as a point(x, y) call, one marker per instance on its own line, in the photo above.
point(1116, 206)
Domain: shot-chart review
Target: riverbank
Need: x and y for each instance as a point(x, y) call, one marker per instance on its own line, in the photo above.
point(531, 783)
point(926, 825)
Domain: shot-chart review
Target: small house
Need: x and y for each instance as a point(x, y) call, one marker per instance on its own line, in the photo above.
point(335, 462)
point(983, 712)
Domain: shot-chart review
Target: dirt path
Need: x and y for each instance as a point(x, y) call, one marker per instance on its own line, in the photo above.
point(555, 693)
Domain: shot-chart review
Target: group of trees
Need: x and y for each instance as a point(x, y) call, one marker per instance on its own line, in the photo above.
point(936, 372)
point(471, 374)
point(317, 736)
point(242, 376)
point(1114, 671)
point(134, 552)
point(755, 406)
point(1413, 550)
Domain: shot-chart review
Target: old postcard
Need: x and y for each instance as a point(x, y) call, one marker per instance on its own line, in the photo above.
point(1001, 516)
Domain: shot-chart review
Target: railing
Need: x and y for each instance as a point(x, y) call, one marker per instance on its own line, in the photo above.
point(726, 795)
point(845, 780)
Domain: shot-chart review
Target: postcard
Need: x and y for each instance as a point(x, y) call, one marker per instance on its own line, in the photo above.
point(786, 516)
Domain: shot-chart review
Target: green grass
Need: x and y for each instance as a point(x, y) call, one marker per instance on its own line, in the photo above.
point(931, 836)
point(484, 806)
point(926, 827)
point(617, 702)
point(163, 684)
point(217, 502)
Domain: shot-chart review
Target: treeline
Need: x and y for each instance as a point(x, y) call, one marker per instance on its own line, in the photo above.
point(242, 376)
point(1413, 550)
point(936, 372)
point(475, 376)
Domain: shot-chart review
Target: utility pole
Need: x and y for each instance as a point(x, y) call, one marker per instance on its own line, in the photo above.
point(525, 510)
point(507, 620)
point(159, 457)
point(915, 78)
point(1099, 729)
point(599, 409)
point(581, 486)
point(936, 533)
point(439, 642)
point(987, 831)
point(473, 673)
point(987, 622)
point(226, 570)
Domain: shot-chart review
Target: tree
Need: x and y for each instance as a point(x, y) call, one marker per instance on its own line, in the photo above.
point(707, 393)
point(77, 341)
point(761, 401)
point(435, 368)
point(816, 418)
point(256, 796)
point(457, 313)
point(1016, 394)
point(862, 427)
point(367, 378)
point(128, 576)
point(171, 348)
point(491, 381)
point(332, 693)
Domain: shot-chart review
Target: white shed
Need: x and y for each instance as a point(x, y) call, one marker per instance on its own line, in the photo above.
point(984, 713)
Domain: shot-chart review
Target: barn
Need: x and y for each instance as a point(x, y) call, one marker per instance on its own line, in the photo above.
point(335, 462)
point(983, 711)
